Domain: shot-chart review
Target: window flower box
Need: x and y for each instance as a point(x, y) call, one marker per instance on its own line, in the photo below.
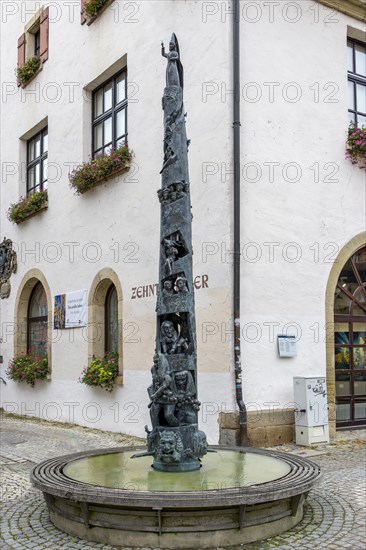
point(90, 174)
point(27, 207)
point(94, 8)
point(356, 146)
point(101, 373)
point(28, 368)
point(29, 70)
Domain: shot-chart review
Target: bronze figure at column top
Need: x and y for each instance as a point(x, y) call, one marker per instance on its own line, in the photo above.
point(174, 70)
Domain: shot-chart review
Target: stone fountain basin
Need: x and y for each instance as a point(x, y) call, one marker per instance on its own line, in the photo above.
point(240, 495)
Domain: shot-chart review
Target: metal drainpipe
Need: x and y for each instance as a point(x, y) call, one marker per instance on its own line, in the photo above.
point(236, 127)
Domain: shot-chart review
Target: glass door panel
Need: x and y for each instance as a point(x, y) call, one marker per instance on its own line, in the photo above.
point(343, 412)
point(350, 342)
point(359, 383)
point(342, 358)
point(341, 334)
point(359, 357)
point(343, 384)
point(360, 411)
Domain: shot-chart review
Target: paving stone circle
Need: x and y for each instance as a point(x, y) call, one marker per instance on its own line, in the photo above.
point(334, 517)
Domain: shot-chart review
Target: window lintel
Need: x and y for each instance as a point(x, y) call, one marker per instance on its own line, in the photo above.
point(29, 134)
point(112, 70)
point(34, 23)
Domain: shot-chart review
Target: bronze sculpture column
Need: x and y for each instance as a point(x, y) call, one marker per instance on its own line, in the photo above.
point(175, 441)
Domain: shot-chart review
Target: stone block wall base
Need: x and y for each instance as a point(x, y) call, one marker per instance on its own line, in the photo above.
point(270, 435)
point(229, 438)
point(265, 428)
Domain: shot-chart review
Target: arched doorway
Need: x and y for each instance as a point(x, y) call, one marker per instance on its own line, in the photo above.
point(350, 342)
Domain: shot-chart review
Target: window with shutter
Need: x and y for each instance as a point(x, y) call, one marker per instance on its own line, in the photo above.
point(33, 44)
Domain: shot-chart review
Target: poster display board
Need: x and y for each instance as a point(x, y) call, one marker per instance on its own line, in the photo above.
point(70, 310)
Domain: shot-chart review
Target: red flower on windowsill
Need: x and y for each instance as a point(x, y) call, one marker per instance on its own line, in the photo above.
point(89, 174)
point(356, 146)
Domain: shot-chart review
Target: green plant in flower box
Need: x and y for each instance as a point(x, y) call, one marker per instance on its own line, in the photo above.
point(26, 72)
point(28, 368)
point(93, 7)
point(356, 146)
point(101, 372)
point(88, 174)
point(26, 206)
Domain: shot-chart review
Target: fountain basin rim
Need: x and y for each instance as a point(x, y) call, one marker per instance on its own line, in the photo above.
point(49, 478)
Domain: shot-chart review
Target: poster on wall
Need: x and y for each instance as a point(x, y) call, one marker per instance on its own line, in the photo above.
point(70, 310)
point(59, 311)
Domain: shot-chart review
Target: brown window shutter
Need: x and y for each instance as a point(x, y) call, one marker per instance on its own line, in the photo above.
point(82, 11)
point(21, 50)
point(44, 31)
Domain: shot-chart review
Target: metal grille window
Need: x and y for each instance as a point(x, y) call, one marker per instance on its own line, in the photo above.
point(357, 82)
point(111, 320)
point(37, 153)
point(110, 115)
point(37, 322)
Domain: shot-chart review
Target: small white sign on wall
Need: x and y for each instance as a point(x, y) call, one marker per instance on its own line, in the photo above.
point(286, 345)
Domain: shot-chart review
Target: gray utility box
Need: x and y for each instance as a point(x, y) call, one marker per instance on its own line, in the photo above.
point(311, 410)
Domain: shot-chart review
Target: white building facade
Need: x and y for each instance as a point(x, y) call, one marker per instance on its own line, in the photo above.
point(100, 84)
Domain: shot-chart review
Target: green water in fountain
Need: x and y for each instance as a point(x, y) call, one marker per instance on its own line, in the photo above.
point(220, 470)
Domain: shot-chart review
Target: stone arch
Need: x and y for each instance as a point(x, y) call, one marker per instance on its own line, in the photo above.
point(96, 315)
point(29, 281)
point(345, 253)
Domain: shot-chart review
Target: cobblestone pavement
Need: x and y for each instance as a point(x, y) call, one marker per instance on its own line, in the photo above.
point(334, 513)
